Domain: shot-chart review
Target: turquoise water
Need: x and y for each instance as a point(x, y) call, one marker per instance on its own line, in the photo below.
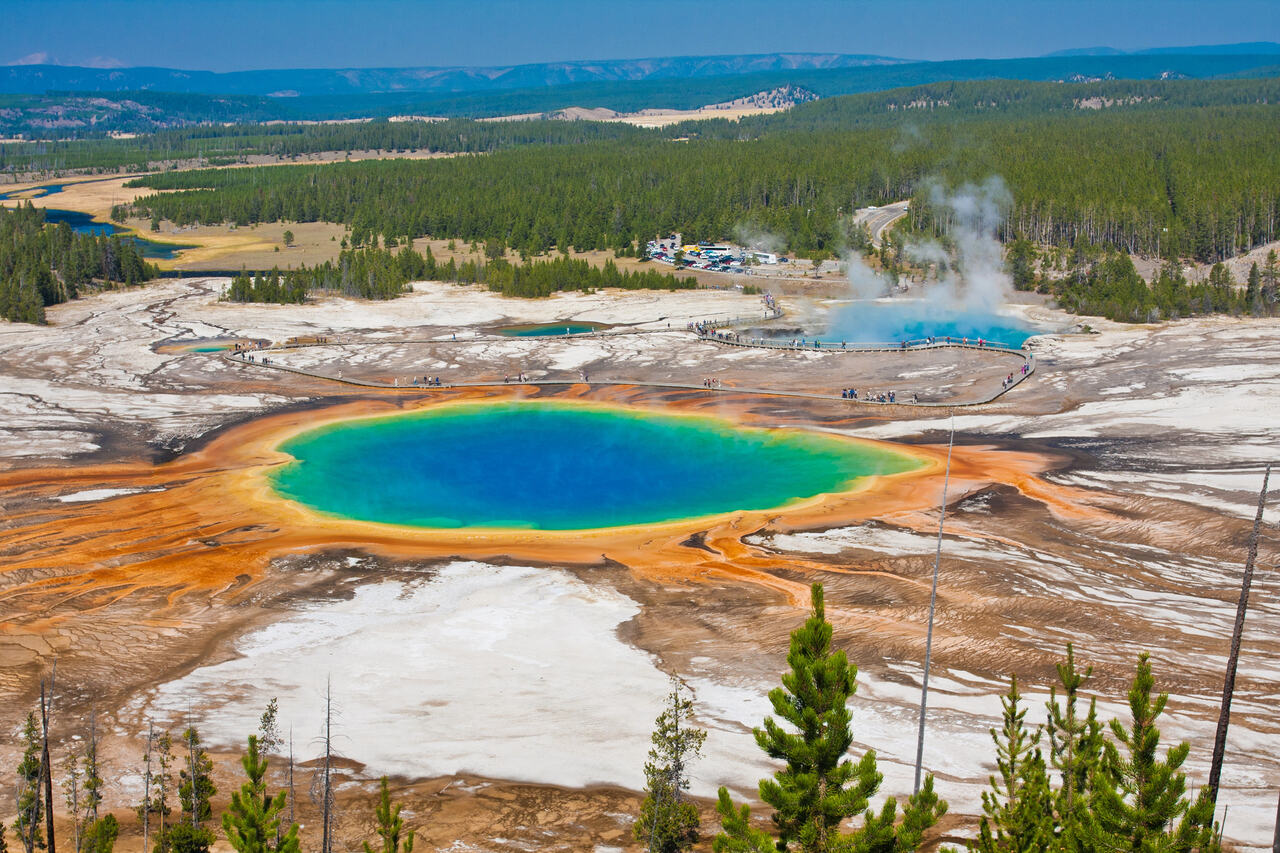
point(913, 319)
point(83, 223)
point(562, 467)
point(33, 192)
point(212, 348)
point(544, 330)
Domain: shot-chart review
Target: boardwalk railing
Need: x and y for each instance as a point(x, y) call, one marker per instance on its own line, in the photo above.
point(708, 330)
point(702, 327)
point(242, 358)
point(715, 335)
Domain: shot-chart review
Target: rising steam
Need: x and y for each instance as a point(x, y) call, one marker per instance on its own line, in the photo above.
point(971, 281)
point(753, 237)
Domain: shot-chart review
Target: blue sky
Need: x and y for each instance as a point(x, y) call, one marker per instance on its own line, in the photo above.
point(228, 35)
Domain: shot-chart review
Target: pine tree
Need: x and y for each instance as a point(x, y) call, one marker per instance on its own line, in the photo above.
point(30, 822)
point(1075, 751)
point(92, 777)
point(252, 820)
point(1253, 292)
point(1271, 275)
point(1140, 805)
point(185, 838)
point(195, 787)
point(161, 784)
point(269, 740)
point(71, 787)
point(100, 836)
point(667, 823)
point(390, 824)
point(738, 835)
point(1017, 812)
point(819, 787)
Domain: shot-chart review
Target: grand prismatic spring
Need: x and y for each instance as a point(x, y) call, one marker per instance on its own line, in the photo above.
point(211, 518)
point(564, 467)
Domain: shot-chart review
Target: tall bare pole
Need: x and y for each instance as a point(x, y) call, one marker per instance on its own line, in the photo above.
point(1275, 844)
point(146, 791)
point(1233, 660)
point(190, 735)
point(326, 842)
point(933, 600)
point(291, 794)
point(46, 767)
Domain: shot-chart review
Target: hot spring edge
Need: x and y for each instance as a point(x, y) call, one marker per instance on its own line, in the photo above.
point(564, 466)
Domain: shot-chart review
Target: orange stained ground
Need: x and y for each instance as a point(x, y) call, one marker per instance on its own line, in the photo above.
point(212, 524)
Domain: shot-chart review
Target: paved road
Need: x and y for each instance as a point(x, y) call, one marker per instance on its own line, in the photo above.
point(877, 219)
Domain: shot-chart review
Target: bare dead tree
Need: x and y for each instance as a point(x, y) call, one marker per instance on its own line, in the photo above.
point(72, 787)
point(146, 790)
point(46, 768)
point(291, 793)
point(93, 779)
point(322, 783)
point(191, 768)
point(1275, 844)
point(1233, 660)
point(933, 600)
point(327, 840)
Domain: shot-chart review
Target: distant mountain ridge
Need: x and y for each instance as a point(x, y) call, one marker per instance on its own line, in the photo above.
point(37, 79)
point(72, 112)
point(1250, 48)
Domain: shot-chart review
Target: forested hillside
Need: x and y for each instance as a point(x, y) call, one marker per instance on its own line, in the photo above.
point(46, 264)
point(915, 106)
point(959, 100)
point(231, 144)
point(372, 273)
point(1200, 181)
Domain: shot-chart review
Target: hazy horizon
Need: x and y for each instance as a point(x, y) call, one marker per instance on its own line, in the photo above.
point(242, 35)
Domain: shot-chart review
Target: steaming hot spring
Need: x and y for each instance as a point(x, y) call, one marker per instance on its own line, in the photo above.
point(893, 320)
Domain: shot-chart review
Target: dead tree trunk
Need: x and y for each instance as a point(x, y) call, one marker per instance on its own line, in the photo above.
point(326, 843)
point(1233, 660)
point(933, 600)
point(1275, 844)
point(291, 793)
point(146, 791)
point(46, 768)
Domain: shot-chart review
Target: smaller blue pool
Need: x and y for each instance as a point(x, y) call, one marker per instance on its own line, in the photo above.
point(546, 330)
point(894, 321)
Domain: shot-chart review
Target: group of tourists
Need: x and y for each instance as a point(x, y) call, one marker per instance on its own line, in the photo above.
point(882, 397)
point(429, 381)
point(1009, 381)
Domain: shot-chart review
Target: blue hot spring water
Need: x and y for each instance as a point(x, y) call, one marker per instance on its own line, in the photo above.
point(546, 330)
point(558, 466)
point(891, 321)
